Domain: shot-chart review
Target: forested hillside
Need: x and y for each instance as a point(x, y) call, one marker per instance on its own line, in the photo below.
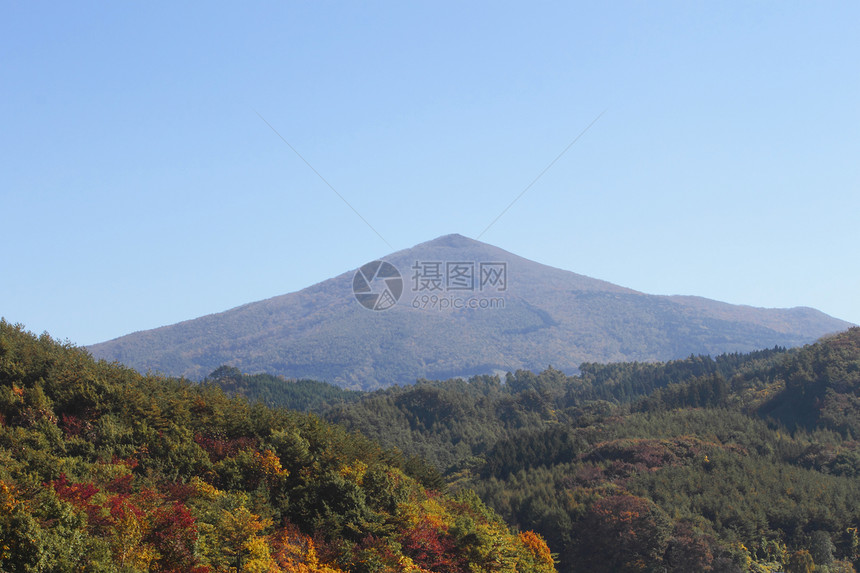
point(105, 470)
point(743, 462)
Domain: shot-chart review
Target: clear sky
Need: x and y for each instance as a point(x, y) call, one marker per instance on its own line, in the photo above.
point(140, 187)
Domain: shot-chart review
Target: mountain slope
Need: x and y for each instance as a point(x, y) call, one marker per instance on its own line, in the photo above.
point(105, 470)
point(543, 316)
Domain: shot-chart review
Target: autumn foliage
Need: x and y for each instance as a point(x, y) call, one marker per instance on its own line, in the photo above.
point(102, 469)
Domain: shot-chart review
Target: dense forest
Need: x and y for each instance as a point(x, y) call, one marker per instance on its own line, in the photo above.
point(742, 462)
point(736, 463)
point(105, 470)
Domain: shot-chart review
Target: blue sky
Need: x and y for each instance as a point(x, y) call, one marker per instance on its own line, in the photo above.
point(139, 187)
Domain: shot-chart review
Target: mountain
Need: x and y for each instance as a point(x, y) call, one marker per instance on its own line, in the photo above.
point(526, 316)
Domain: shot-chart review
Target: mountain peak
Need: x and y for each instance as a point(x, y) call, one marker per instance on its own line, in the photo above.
point(454, 240)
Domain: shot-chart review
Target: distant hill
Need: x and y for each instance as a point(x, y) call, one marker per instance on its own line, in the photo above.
point(277, 392)
point(535, 316)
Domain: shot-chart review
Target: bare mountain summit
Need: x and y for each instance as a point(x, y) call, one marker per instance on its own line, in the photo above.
point(454, 306)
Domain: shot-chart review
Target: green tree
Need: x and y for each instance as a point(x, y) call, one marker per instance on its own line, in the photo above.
point(821, 548)
point(800, 562)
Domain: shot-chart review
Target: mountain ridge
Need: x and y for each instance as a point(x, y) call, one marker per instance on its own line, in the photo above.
point(545, 316)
